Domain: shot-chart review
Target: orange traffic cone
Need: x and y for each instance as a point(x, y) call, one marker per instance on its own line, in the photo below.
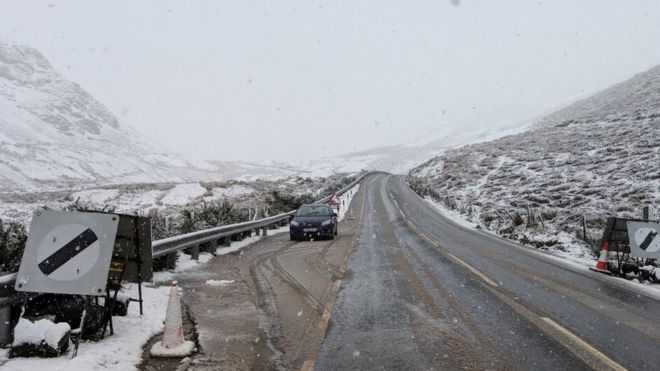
point(601, 265)
point(172, 344)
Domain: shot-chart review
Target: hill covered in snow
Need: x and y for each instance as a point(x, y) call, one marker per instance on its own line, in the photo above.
point(400, 158)
point(599, 156)
point(53, 134)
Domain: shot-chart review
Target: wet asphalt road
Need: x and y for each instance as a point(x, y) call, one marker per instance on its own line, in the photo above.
point(424, 293)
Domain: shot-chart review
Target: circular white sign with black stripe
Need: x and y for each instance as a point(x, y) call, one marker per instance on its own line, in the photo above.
point(68, 252)
point(648, 239)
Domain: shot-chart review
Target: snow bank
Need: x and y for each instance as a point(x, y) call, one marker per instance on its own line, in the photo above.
point(236, 190)
point(182, 194)
point(219, 282)
point(138, 200)
point(28, 332)
point(121, 351)
point(95, 196)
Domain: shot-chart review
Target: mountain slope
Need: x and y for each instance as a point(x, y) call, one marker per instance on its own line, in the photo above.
point(54, 134)
point(399, 159)
point(599, 156)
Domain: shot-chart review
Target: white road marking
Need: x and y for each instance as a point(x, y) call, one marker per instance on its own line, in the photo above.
point(584, 345)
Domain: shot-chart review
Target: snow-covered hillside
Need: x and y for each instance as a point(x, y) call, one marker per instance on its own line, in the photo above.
point(599, 157)
point(54, 134)
point(400, 158)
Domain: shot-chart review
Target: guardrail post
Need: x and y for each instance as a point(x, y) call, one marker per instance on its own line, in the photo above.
point(194, 252)
point(226, 241)
point(6, 336)
point(265, 231)
point(171, 261)
point(213, 245)
point(257, 232)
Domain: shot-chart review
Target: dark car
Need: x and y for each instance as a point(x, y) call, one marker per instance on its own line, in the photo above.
point(315, 220)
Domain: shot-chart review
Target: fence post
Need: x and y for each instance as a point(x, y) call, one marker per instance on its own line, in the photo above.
point(541, 219)
point(647, 212)
point(584, 228)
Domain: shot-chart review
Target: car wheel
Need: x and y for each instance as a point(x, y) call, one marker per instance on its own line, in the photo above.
point(293, 238)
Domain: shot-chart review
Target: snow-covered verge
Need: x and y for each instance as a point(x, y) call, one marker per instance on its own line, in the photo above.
point(574, 256)
point(121, 351)
point(599, 157)
point(571, 251)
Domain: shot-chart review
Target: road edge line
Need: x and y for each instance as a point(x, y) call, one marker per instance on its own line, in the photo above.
point(447, 254)
point(584, 345)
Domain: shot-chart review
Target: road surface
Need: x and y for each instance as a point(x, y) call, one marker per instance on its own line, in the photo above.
point(404, 288)
point(422, 292)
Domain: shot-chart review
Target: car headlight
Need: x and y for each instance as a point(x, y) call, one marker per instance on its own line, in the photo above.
point(326, 223)
point(294, 223)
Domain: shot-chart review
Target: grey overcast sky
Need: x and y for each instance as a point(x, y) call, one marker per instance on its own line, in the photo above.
point(257, 79)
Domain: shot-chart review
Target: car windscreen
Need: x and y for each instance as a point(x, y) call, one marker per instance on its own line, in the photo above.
point(314, 211)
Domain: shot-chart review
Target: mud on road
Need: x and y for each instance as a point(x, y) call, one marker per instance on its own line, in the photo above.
point(275, 313)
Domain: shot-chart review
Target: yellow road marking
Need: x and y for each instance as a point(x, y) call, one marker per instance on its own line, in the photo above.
point(584, 345)
point(308, 365)
point(453, 257)
point(473, 269)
